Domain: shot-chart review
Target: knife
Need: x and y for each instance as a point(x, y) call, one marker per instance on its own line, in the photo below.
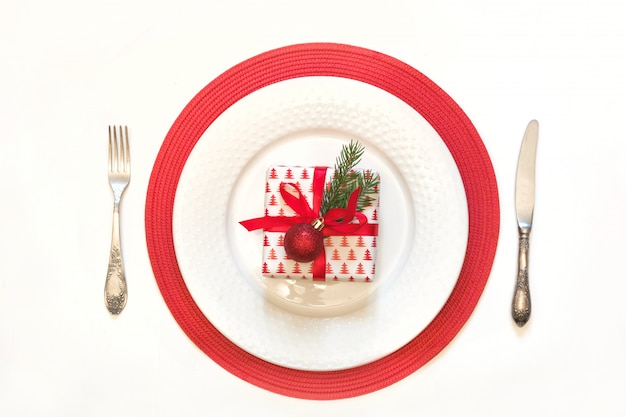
point(524, 206)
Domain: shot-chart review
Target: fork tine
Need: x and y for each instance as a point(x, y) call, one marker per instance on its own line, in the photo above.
point(119, 149)
point(110, 151)
point(116, 156)
point(127, 151)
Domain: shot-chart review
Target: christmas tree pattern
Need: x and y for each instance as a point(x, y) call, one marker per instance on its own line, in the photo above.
point(348, 258)
point(353, 262)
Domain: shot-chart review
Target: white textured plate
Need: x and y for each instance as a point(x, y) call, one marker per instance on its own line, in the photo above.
point(311, 325)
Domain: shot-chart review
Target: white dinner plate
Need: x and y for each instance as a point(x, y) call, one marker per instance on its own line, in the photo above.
point(320, 325)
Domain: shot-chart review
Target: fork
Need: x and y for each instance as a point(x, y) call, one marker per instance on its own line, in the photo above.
point(115, 292)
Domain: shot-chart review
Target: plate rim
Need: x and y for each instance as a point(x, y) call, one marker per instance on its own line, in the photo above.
point(351, 330)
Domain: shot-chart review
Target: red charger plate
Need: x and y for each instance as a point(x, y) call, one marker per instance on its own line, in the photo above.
point(379, 70)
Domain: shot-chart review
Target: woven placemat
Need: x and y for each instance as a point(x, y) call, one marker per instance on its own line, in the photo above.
point(397, 78)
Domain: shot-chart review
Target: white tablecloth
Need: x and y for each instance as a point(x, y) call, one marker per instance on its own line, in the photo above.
point(70, 68)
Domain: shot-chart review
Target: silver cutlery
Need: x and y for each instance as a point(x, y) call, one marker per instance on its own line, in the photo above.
point(524, 207)
point(115, 292)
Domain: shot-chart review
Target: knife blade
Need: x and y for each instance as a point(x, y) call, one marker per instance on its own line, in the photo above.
point(524, 207)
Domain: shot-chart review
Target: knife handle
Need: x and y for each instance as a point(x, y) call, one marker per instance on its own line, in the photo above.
point(521, 297)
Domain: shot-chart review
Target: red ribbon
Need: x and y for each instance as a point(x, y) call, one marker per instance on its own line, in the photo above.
point(337, 221)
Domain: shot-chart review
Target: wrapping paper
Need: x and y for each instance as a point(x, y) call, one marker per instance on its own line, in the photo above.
point(347, 257)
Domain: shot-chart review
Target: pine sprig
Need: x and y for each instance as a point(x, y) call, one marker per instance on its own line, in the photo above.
point(368, 183)
point(345, 180)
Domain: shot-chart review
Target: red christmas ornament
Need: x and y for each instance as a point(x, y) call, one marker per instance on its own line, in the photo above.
point(304, 242)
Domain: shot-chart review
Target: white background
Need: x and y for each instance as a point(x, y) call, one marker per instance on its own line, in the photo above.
point(70, 68)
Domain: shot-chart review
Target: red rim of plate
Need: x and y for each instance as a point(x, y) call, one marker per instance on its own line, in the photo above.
point(393, 76)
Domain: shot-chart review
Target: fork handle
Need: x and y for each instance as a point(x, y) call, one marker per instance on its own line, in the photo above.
point(115, 292)
point(521, 297)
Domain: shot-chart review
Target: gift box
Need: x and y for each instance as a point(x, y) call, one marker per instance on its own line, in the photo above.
point(293, 195)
